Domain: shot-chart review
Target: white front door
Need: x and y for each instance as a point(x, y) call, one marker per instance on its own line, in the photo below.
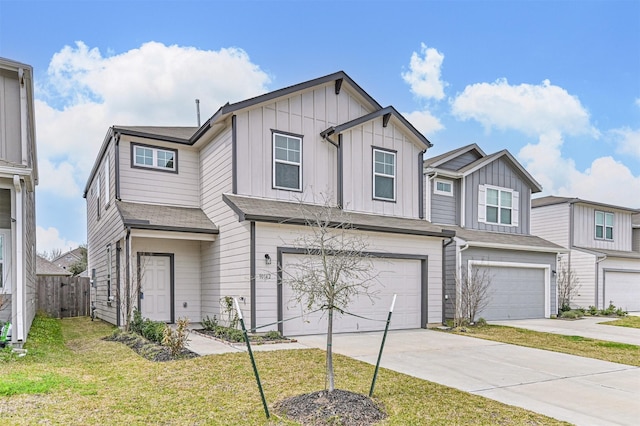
point(155, 291)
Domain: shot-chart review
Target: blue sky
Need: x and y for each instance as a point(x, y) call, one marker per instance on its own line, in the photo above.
point(557, 83)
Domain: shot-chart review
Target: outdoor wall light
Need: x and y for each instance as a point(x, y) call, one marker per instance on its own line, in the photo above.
point(267, 259)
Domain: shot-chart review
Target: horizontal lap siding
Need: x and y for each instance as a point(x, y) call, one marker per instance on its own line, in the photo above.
point(100, 232)
point(271, 236)
point(552, 223)
point(225, 264)
point(29, 253)
point(10, 145)
point(159, 187)
point(584, 267)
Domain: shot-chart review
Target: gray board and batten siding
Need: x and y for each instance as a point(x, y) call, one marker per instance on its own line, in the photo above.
point(445, 209)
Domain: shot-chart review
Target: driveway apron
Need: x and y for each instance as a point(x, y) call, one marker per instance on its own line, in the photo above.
point(579, 390)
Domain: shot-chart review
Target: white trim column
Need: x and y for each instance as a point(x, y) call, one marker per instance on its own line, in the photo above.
point(19, 286)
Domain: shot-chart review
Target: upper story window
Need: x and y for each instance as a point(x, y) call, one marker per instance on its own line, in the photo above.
point(152, 157)
point(443, 187)
point(604, 226)
point(498, 206)
point(287, 162)
point(384, 175)
point(98, 195)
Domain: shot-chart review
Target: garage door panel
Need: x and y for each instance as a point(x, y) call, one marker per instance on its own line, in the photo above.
point(399, 276)
point(623, 290)
point(514, 293)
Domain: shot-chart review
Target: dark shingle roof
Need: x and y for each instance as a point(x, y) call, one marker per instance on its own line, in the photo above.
point(519, 241)
point(550, 200)
point(154, 131)
point(261, 210)
point(165, 218)
point(44, 267)
point(452, 154)
point(611, 253)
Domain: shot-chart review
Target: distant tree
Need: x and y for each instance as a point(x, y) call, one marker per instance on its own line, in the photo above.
point(80, 265)
point(51, 255)
point(335, 269)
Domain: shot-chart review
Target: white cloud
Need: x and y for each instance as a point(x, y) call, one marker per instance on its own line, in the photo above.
point(606, 180)
point(424, 73)
point(531, 109)
point(628, 141)
point(424, 121)
point(58, 179)
point(49, 239)
point(638, 102)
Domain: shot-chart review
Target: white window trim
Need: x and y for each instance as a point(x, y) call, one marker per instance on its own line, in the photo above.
point(291, 163)
point(373, 165)
point(440, 192)
point(154, 157)
point(5, 283)
point(604, 225)
point(106, 181)
point(482, 205)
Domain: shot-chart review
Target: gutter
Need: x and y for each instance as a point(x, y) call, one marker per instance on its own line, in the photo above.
point(598, 260)
point(19, 261)
point(445, 297)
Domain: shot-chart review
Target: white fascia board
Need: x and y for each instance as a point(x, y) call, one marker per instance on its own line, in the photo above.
point(518, 247)
point(172, 235)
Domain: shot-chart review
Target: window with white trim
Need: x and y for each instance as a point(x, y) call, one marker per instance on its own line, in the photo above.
point(443, 187)
point(384, 175)
point(98, 196)
point(287, 162)
point(604, 226)
point(154, 158)
point(498, 206)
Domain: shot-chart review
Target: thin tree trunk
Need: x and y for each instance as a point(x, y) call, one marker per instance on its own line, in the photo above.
point(330, 350)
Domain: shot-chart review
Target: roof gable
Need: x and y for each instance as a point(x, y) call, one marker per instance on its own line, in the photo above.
point(505, 155)
point(551, 200)
point(442, 159)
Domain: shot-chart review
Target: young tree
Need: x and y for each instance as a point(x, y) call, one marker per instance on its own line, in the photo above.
point(81, 264)
point(473, 294)
point(127, 295)
point(334, 270)
point(568, 285)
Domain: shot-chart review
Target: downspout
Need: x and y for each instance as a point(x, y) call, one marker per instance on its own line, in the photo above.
point(421, 195)
point(118, 283)
point(444, 277)
point(325, 136)
point(117, 165)
point(19, 261)
point(127, 282)
point(459, 251)
point(604, 256)
point(429, 179)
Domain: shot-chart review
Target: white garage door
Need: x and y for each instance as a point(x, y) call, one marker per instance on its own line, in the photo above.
point(622, 289)
point(514, 293)
point(399, 276)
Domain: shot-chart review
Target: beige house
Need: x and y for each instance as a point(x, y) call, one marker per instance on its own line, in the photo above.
point(197, 214)
point(18, 178)
point(602, 253)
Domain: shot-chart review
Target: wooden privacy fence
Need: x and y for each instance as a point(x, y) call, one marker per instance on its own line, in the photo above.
point(64, 297)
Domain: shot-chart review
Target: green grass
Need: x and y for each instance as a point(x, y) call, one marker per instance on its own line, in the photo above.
point(71, 376)
point(575, 345)
point(629, 321)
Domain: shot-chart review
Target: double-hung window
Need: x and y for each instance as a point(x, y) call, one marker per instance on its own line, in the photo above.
point(384, 175)
point(154, 158)
point(498, 206)
point(604, 226)
point(287, 162)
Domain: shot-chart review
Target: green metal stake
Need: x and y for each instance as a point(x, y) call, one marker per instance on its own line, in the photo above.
point(384, 337)
point(253, 361)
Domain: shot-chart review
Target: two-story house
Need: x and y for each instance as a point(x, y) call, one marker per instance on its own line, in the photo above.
point(18, 178)
point(603, 242)
point(197, 214)
point(486, 200)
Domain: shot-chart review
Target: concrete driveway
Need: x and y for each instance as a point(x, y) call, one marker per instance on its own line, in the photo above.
point(585, 327)
point(579, 390)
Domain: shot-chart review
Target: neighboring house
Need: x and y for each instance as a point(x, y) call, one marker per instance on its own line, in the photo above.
point(45, 268)
point(486, 200)
point(213, 211)
point(66, 260)
point(18, 178)
point(604, 248)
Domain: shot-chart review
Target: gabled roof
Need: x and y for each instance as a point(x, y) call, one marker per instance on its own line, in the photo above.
point(165, 218)
point(384, 112)
point(501, 240)
point(551, 200)
point(44, 267)
point(286, 212)
point(170, 134)
point(450, 155)
point(68, 258)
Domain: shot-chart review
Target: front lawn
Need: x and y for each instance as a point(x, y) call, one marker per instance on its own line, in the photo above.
point(72, 376)
point(575, 345)
point(628, 321)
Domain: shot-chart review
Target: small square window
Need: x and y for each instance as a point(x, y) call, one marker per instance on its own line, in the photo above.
point(154, 158)
point(443, 187)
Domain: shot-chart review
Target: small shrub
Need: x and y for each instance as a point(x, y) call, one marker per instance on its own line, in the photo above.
point(593, 310)
point(153, 330)
point(272, 335)
point(209, 324)
point(135, 325)
point(564, 308)
point(573, 314)
point(621, 312)
point(176, 339)
point(230, 334)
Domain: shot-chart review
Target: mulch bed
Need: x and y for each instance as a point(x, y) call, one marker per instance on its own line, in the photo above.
point(255, 339)
point(147, 349)
point(339, 407)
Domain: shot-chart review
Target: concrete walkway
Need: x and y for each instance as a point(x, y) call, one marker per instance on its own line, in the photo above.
point(579, 390)
point(586, 327)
